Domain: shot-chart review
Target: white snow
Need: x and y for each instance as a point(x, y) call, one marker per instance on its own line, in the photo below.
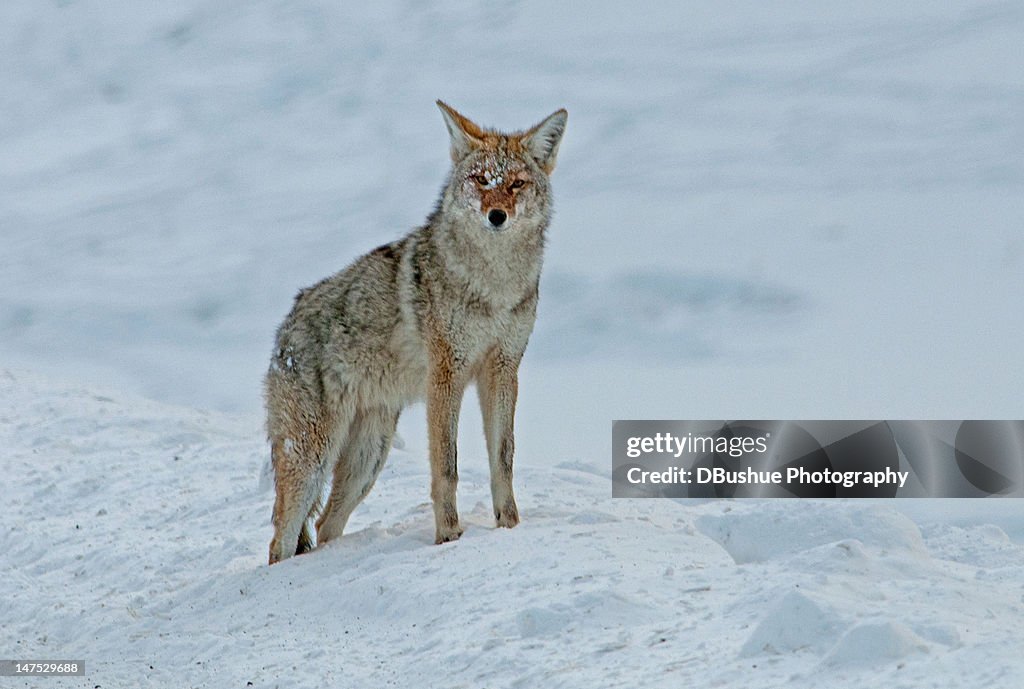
point(876, 642)
point(764, 210)
point(135, 539)
point(775, 529)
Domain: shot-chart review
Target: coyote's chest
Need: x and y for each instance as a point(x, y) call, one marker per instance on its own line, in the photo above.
point(471, 326)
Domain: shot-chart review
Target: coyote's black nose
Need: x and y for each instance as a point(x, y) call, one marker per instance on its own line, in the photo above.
point(497, 217)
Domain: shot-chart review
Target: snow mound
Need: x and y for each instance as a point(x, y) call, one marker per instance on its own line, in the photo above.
point(794, 623)
point(985, 545)
point(875, 642)
point(603, 609)
point(756, 533)
point(136, 539)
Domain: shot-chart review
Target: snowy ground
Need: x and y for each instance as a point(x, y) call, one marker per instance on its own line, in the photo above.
point(135, 539)
point(765, 210)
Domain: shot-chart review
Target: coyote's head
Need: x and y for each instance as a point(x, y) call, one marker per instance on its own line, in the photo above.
point(500, 181)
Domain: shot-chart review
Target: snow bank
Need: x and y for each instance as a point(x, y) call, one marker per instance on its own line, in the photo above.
point(136, 538)
point(774, 529)
point(878, 642)
point(794, 623)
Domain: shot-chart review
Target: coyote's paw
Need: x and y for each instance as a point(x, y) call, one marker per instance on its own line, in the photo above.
point(448, 534)
point(508, 516)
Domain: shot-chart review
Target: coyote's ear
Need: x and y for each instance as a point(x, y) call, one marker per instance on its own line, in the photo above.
point(542, 141)
point(465, 135)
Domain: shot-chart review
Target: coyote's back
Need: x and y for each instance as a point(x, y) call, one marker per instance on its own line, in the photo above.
point(451, 303)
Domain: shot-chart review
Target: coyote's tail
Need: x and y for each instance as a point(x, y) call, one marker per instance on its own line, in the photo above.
point(306, 540)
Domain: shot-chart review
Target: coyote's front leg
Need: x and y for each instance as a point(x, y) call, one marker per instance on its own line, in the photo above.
point(444, 398)
point(498, 386)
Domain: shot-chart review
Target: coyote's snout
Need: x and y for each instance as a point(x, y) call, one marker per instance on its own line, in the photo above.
point(451, 303)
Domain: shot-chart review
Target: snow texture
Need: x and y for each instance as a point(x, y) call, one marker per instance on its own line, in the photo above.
point(764, 210)
point(135, 539)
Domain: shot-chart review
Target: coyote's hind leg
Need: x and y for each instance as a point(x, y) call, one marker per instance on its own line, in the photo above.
point(303, 444)
point(357, 468)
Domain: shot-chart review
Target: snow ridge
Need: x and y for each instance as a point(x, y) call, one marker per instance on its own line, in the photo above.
point(136, 539)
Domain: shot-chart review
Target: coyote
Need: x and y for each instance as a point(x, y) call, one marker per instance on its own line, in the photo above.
point(451, 303)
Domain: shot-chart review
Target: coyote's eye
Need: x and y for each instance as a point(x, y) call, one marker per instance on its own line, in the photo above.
point(481, 180)
point(519, 184)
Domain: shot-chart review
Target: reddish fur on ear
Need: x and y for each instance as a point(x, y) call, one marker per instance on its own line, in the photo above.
point(465, 134)
point(542, 140)
point(468, 127)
